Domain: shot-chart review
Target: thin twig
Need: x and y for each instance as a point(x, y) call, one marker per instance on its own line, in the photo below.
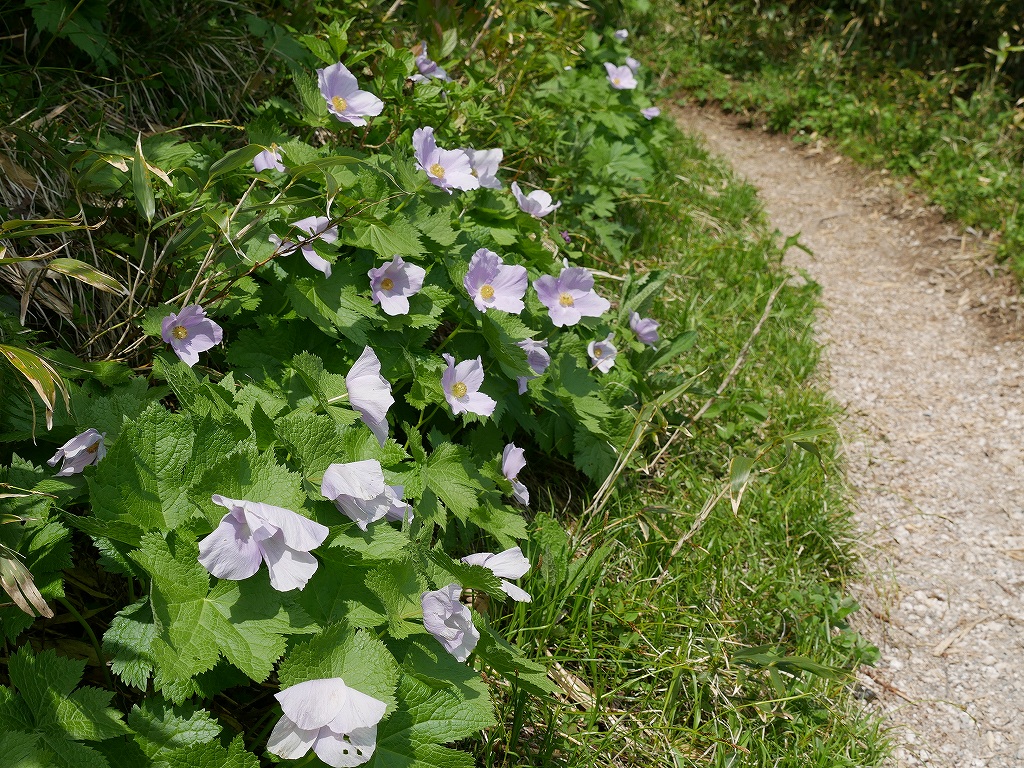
point(486, 26)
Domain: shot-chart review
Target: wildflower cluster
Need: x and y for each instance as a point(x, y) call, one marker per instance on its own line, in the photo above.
point(313, 426)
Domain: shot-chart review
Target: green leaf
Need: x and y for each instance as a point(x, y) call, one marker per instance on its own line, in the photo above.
point(129, 644)
point(18, 750)
point(502, 331)
point(511, 663)
point(245, 621)
point(387, 239)
point(211, 755)
point(234, 159)
point(250, 475)
point(448, 474)
point(356, 656)
point(399, 586)
point(341, 593)
point(160, 729)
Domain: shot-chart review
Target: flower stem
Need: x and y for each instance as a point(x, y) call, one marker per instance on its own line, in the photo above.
point(451, 336)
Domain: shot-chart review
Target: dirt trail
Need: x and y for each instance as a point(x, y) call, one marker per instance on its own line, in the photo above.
point(925, 356)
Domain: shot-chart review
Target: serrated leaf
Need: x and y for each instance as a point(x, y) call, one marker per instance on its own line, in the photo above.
point(245, 621)
point(250, 475)
point(447, 473)
point(85, 715)
point(128, 643)
point(211, 755)
point(387, 239)
point(160, 729)
point(356, 656)
point(399, 586)
point(341, 593)
point(447, 570)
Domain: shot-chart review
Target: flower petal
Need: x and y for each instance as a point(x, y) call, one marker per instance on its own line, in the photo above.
point(346, 750)
point(230, 552)
point(289, 568)
point(289, 741)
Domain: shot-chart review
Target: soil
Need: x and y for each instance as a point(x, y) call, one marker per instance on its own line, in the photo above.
point(924, 336)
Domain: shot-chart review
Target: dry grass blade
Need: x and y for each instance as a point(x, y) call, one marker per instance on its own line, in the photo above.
point(17, 582)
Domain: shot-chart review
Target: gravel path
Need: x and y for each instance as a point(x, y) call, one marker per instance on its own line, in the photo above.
point(922, 353)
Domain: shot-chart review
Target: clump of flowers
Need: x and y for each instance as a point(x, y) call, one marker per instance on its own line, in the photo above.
point(252, 533)
point(461, 384)
point(537, 358)
point(485, 164)
point(570, 297)
point(621, 78)
point(449, 621)
point(359, 491)
point(537, 203)
point(446, 168)
point(510, 564)
point(645, 328)
point(318, 228)
point(512, 463)
point(494, 285)
point(190, 332)
point(79, 452)
point(369, 393)
point(602, 353)
point(333, 719)
point(392, 283)
point(344, 100)
point(267, 159)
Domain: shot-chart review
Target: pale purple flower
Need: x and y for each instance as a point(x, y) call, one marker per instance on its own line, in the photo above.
point(345, 101)
point(494, 285)
point(337, 722)
point(633, 64)
point(537, 203)
point(510, 564)
point(565, 236)
point(645, 328)
point(446, 168)
point(428, 68)
point(512, 462)
point(393, 282)
point(536, 356)
point(461, 384)
point(267, 159)
point(621, 34)
point(570, 296)
point(369, 393)
point(602, 353)
point(190, 332)
point(251, 533)
point(621, 78)
point(359, 491)
point(318, 228)
point(448, 620)
point(485, 164)
point(650, 113)
point(79, 452)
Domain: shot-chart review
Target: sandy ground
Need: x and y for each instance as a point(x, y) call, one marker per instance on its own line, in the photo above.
point(923, 349)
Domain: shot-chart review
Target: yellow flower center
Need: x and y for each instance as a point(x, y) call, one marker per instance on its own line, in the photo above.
point(566, 300)
point(598, 352)
point(437, 170)
point(179, 332)
point(459, 389)
point(93, 448)
point(487, 291)
point(339, 103)
point(387, 283)
point(616, 81)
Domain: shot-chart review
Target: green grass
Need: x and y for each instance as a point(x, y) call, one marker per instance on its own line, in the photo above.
point(653, 630)
point(955, 134)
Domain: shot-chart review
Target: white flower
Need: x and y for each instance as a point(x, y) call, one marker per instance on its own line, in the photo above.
point(337, 722)
point(510, 564)
point(359, 491)
point(251, 533)
point(449, 621)
point(79, 452)
point(370, 393)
